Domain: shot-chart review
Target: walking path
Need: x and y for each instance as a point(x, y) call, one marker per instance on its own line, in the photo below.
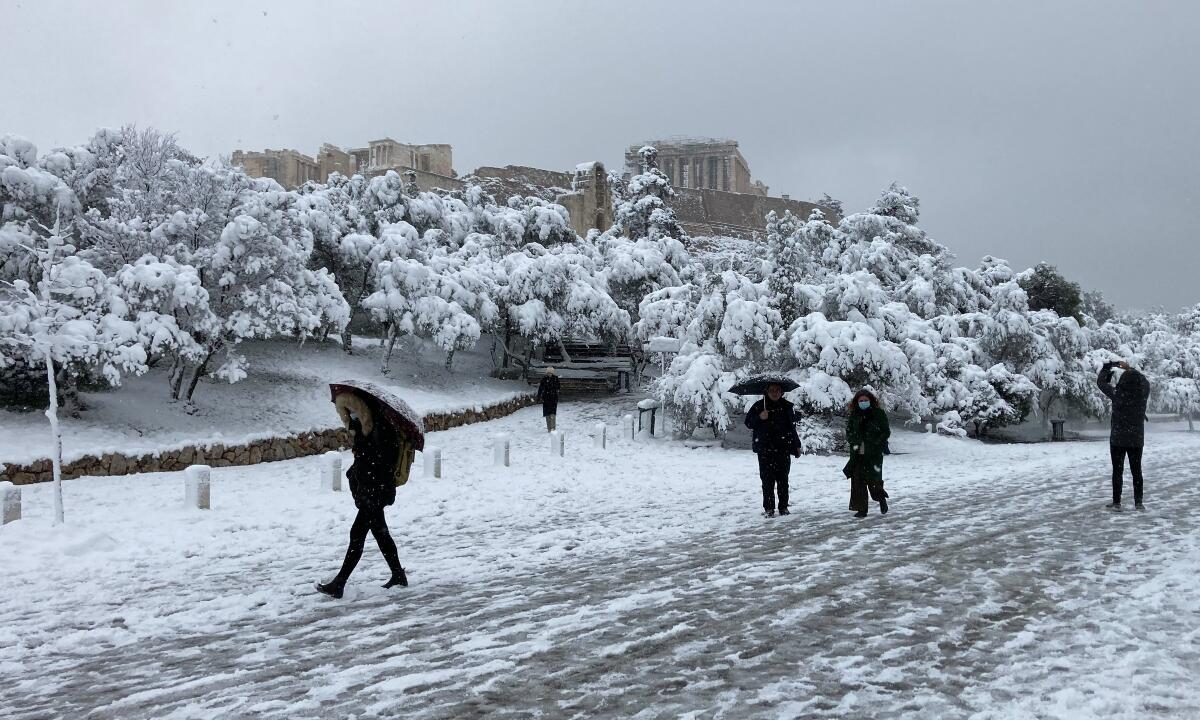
point(1007, 593)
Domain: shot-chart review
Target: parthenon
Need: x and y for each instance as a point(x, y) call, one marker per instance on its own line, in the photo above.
point(699, 163)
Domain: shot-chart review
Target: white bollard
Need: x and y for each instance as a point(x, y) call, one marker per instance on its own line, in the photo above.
point(557, 442)
point(500, 451)
point(601, 437)
point(433, 462)
point(630, 428)
point(331, 471)
point(10, 503)
point(197, 486)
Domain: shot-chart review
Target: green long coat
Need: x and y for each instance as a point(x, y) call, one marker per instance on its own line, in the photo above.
point(871, 429)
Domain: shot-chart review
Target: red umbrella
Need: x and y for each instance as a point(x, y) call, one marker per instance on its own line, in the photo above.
point(403, 419)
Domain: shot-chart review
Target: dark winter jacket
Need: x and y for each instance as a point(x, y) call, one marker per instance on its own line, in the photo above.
point(547, 392)
point(778, 432)
point(867, 434)
point(373, 474)
point(1129, 399)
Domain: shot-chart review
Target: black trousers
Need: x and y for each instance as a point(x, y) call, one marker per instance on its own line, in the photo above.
point(376, 523)
point(1135, 469)
point(859, 490)
point(773, 469)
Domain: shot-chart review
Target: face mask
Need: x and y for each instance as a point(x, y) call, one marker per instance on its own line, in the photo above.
point(864, 404)
point(354, 417)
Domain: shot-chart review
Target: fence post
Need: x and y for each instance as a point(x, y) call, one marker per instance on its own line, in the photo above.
point(197, 486)
point(10, 503)
point(601, 435)
point(500, 451)
point(331, 471)
point(557, 442)
point(433, 462)
point(630, 428)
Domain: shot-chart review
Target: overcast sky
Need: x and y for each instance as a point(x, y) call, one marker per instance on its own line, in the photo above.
point(1067, 132)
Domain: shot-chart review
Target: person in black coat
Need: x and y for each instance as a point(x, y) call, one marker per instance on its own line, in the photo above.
point(547, 392)
point(372, 479)
point(773, 421)
point(867, 433)
point(1127, 436)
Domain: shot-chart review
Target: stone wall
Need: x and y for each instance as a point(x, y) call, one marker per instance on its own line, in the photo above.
point(289, 168)
point(221, 455)
point(713, 212)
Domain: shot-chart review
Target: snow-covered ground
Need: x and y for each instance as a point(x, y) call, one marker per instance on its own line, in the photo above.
point(636, 581)
point(286, 392)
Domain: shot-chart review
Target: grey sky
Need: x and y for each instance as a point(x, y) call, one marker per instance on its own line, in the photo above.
point(1059, 131)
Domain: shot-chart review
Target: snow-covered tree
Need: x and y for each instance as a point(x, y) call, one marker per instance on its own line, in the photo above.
point(548, 295)
point(645, 250)
point(734, 330)
point(80, 322)
point(1049, 290)
point(832, 204)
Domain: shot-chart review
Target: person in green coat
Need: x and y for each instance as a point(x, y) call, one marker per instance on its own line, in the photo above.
point(867, 432)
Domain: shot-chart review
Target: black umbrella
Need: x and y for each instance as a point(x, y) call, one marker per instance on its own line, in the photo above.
point(758, 384)
point(403, 419)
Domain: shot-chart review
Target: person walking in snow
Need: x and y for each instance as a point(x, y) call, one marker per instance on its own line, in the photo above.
point(372, 478)
point(867, 433)
point(1127, 435)
point(547, 392)
point(773, 421)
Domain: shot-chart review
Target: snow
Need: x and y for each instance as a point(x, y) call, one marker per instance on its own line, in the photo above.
point(661, 344)
point(286, 393)
point(636, 579)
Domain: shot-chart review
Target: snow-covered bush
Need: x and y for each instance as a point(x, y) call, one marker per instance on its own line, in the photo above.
point(816, 436)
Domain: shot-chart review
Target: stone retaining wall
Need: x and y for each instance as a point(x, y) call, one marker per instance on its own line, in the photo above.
point(220, 455)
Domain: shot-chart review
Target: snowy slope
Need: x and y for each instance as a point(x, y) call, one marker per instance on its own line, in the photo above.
point(638, 581)
point(286, 392)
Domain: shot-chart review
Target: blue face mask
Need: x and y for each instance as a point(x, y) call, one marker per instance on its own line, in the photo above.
point(864, 404)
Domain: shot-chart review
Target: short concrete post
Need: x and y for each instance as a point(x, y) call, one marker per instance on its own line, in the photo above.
point(331, 471)
point(500, 451)
point(601, 437)
point(557, 442)
point(630, 427)
point(10, 503)
point(197, 485)
point(433, 462)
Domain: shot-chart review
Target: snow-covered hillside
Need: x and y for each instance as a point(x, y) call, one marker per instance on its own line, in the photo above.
point(287, 392)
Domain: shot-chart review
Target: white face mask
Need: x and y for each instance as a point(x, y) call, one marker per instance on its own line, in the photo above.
point(1116, 375)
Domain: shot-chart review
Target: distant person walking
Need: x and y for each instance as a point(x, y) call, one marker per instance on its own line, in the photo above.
point(373, 484)
point(773, 421)
point(867, 433)
point(1128, 434)
point(547, 392)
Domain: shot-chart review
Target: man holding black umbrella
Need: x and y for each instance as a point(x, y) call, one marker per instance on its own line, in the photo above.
point(773, 421)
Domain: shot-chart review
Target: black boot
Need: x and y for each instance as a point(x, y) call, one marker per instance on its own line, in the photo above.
point(883, 508)
point(398, 578)
point(860, 514)
point(334, 588)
